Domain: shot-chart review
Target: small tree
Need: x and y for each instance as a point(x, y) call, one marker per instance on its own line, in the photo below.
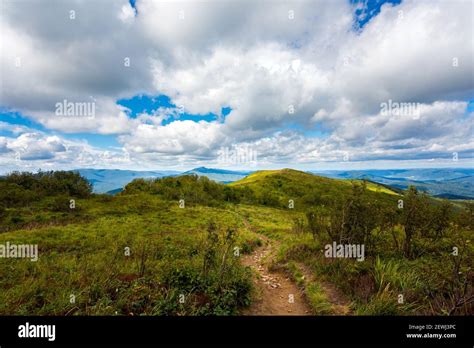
point(317, 224)
point(413, 217)
point(389, 220)
point(3, 211)
point(359, 219)
point(466, 217)
point(441, 218)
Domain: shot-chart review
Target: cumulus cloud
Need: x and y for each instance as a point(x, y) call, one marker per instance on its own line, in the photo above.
point(176, 138)
point(32, 150)
point(35, 146)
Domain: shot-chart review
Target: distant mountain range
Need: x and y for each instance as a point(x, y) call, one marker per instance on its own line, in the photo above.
point(452, 183)
point(219, 175)
point(113, 180)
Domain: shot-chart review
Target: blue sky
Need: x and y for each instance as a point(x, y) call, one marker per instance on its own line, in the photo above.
point(302, 87)
point(369, 9)
point(140, 104)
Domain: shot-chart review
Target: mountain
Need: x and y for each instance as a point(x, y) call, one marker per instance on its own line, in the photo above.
point(452, 183)
point(219, 175)
point(113, 180)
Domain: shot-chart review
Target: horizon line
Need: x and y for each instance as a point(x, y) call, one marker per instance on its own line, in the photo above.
point(235, 170)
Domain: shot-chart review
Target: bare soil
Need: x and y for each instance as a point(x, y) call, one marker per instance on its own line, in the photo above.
point(276, 293)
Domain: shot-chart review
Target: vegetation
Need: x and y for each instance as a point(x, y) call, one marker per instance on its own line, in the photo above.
point(172, 246)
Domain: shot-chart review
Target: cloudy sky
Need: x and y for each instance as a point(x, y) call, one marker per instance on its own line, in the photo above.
point(151, 84)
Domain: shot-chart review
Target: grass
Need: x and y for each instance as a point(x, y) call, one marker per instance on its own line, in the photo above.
point(83, 268)
point(318, 300)
point(379, 188)
point(316, 296)
point(88, 261)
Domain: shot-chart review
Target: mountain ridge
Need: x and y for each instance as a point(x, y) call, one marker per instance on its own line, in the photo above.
point(452, 183)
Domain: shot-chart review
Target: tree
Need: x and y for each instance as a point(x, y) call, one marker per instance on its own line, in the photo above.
point(3, 211)
point(413, 217)
point(466, 217)
point(389, 219)
point(441, 218)
point(360, 217)
point(269, 198)
point(316, 223)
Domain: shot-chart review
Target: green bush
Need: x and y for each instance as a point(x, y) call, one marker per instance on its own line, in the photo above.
point(61, 204)
point(20, 189)
point(3, 211)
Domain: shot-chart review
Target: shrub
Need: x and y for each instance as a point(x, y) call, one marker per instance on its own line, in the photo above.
point(20, 189)
point(3, 210)
point(60, 204)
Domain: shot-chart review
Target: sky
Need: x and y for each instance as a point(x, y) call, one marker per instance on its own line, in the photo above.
point(236, 84)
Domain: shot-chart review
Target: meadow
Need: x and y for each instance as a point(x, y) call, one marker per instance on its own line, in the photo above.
point(173, 246)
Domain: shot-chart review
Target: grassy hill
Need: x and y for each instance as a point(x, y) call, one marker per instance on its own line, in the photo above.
point(290, 180)
point(306, 189)
point(142, 252)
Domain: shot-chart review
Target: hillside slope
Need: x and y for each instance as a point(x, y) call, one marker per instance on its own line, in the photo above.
point(306, 188)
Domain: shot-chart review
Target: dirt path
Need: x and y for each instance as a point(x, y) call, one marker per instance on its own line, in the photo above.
point(276, 294)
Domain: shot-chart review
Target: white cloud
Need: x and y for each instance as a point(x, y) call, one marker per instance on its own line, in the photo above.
point(127, 13)
point(254, 57)
point(176, 138)
point(33, 150)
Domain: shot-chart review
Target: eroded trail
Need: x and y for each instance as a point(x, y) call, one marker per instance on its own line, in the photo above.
point(276, 293)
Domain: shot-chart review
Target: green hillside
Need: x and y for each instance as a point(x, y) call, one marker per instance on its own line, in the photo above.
point(168, 246)
point(290, 181)
point(306, 189)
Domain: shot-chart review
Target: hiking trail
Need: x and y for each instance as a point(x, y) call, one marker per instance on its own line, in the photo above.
point(276, 293)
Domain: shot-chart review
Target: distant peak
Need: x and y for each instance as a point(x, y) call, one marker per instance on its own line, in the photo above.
point(201, 170)
point(213, 170)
